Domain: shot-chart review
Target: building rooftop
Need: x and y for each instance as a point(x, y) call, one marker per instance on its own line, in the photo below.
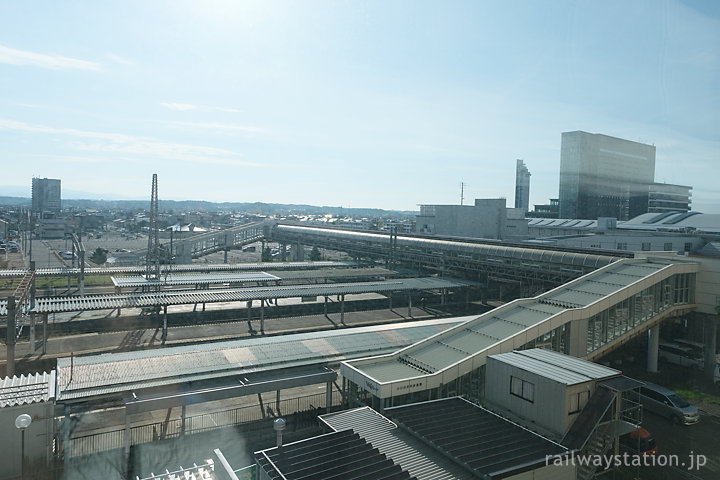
point(406, 450)
point(481, 441)
point(338, 455)
point(561, 368)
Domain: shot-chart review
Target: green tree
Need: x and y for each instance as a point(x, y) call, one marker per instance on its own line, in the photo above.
point(266, 255)
point(99, 256)
point(314, 254)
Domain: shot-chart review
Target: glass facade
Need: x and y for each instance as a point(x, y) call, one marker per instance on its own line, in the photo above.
point(620, 318)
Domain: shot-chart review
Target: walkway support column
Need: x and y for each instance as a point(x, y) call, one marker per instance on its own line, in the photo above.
point(45, 321)
point(410, 304)
point(126, 449)
point(182, 417)
point(249, 310)
point(10, 336)
point(342, 309)
point(164, 326)
point(328, 396)
point(653, 345)
point(65, 425)
point(32, 333)
point(262, 317)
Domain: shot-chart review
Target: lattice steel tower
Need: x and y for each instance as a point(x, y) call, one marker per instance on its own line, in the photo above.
point(152, 269)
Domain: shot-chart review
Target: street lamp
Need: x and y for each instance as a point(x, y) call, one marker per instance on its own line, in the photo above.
point(22, 422)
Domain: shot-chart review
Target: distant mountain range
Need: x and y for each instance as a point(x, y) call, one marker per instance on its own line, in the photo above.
point(202, 206)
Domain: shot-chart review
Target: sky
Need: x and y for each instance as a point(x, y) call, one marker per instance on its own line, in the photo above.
point(382, 104)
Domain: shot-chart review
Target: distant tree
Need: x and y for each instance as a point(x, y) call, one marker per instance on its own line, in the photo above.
point(314, 254)
point(266, 255)
point(99, 256)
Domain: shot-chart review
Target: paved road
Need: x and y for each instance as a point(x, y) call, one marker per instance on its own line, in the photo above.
point(688, 443)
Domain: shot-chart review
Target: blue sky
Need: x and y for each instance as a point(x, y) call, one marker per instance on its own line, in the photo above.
point(385, 104)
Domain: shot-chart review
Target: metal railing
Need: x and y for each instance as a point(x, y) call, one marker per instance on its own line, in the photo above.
point(92, 443)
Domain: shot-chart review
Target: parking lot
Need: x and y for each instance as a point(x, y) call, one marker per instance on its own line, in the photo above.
point(686, 441)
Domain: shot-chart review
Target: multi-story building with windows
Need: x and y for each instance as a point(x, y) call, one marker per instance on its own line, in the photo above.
point(46, 197)
point(522, 186)
point(603, 176)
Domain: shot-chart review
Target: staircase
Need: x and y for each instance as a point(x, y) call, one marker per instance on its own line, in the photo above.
point(587, 421)
point(584, 435)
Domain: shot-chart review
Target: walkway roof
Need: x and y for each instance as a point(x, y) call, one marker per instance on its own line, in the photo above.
point(175, 279)
point(191, 267)
point(23, 390)
point(189, 297)
point(114, 373)
point(459, 350)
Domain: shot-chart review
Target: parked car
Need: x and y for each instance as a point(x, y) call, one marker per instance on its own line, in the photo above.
point(66, 255)
point(666, 403)
point(680, 355)
point(638, 441)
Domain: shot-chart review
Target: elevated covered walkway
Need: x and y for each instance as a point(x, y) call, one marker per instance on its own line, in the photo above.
point(583, 318)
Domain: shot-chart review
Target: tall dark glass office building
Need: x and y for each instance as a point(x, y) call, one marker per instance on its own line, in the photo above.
point(603, 176)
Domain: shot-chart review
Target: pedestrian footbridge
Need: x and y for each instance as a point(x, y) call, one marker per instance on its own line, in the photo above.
point(584, 318)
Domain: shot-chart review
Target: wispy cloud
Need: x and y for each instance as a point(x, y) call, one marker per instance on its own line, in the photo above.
point(227, 128)
point(119, 59)
point(140, 147)
point(184, 107)
point(13, 56)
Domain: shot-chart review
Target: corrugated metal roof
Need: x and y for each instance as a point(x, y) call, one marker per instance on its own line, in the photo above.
point(193, 279)
point(339, 455)
point(130, 300)
point(109, 373)
point(478, 439)
point(551, 372)
point(410, 454)
point(191, 267)
point(25, 389)
point(556, 366)
point(335, 273)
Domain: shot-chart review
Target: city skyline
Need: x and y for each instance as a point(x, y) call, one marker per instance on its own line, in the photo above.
point(368, 105)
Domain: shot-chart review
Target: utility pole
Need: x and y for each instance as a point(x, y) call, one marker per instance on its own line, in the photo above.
point(152, 260)
point(462, 193)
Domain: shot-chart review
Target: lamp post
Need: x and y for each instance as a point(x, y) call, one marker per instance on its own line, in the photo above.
point(22, 422)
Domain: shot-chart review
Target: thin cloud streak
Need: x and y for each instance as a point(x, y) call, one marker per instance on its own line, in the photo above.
point(141, 146)
point(16, 57)
point(184, 107)
point(119, 59)
point(221, 127)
